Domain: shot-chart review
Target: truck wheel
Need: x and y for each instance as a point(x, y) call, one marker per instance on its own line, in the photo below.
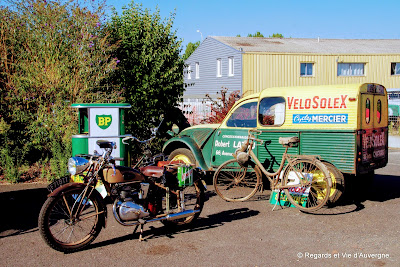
point(337, 178)
point(183, 155)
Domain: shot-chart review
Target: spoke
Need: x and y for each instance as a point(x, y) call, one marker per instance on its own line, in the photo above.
point(70, 234)
point(62, 212)
point(241, 174)
point(62, 230)
point(312, 201)
point(89, 216)
point(66, 204)
point(229, 179)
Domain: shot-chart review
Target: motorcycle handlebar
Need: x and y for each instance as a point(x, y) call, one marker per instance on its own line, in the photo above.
point(153, 135)
point(126, 139)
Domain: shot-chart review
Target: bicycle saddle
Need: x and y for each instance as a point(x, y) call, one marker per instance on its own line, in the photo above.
point(289, 141)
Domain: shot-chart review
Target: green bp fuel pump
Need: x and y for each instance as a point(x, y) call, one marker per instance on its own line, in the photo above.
point(101, 122)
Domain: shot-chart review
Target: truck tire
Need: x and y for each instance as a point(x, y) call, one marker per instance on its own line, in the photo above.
point(184, 155)
point(337, 178)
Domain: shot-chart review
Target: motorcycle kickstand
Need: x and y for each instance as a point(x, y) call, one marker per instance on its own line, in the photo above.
point(141, 224)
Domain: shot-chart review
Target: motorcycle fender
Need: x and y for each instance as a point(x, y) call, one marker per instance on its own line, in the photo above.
point(96, 194)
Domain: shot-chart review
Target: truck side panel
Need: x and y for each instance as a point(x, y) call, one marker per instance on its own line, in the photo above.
point(274, 148)
point(338, 148)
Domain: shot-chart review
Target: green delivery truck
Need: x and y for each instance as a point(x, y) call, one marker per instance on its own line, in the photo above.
point(346, 125)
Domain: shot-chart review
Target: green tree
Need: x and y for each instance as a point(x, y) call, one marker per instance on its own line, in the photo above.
point(276, 35)
point(151, 68)
point(257, 34)
point(52, 54)
point(190, 49)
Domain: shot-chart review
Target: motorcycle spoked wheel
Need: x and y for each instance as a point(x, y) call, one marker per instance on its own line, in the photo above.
point(194, 200)
point(64, 231)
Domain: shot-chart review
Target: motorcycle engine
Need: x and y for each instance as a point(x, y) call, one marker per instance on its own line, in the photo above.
point(131, 211)
point(129, 203)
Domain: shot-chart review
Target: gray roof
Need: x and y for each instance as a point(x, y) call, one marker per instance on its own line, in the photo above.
point(312, 46)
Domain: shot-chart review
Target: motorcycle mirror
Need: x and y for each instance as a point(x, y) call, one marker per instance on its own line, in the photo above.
point(175, 129)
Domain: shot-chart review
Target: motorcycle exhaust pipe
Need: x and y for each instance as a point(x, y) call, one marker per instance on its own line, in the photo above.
point(180, 215)
point(169, 217)
point(176, 216)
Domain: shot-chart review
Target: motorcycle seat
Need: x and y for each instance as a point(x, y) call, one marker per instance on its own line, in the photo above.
point(105, 144)
point(152, 171)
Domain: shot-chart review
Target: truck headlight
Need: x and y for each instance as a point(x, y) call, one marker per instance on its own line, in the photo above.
point(77, 165)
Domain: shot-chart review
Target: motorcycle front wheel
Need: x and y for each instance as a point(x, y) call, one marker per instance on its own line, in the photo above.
point(193, 199)
point(71, 220)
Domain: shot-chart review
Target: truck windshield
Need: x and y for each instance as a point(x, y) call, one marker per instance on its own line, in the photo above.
point(244, 116)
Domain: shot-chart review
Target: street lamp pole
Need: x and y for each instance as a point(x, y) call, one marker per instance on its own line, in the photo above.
point(201, 35)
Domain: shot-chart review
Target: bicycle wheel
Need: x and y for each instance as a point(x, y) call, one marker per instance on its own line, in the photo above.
point(193, 199)
point(314, 196)
point(235, 183)
point(66, 225)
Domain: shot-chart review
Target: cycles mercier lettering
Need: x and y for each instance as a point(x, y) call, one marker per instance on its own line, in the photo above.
point(321, 118)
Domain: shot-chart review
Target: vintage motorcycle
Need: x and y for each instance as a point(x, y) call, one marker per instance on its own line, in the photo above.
point(74, 214)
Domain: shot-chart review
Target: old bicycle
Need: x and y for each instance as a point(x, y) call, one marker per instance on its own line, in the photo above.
point(304, 179)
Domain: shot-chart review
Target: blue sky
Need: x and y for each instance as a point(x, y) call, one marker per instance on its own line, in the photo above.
point(338, 19)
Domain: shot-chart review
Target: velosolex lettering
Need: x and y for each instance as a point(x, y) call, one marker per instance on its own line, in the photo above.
point(317, 102)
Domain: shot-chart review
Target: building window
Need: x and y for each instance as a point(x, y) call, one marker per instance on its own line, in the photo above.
point(189, 74)
point(395, 69)
point(351, 69)
point(197, 70)
point(231, 69)
point(219, 67)
point(306, 69)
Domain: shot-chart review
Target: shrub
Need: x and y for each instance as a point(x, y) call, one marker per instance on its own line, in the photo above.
point(53, 53)
point(221, 106)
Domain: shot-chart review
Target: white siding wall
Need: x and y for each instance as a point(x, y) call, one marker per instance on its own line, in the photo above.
point(208, 83)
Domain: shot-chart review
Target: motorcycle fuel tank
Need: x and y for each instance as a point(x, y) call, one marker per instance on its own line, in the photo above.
point(121, 174)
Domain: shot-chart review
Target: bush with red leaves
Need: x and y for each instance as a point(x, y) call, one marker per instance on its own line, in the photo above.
point(221, 106)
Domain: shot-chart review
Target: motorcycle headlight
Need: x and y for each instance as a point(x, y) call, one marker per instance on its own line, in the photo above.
point(77, 165)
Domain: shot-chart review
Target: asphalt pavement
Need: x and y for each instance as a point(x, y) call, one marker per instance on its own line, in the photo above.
point(362, 231)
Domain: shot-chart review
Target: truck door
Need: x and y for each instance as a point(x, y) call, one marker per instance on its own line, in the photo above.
point(271, 115)
point(233, 131)
point(374, 127)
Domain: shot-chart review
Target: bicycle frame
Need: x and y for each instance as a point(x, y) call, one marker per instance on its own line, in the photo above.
point(276, 182)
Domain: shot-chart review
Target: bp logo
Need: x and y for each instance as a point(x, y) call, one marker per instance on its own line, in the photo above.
point(103, 121)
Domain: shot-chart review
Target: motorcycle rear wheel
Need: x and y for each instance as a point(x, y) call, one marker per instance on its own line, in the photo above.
point(67, 226)
point(194, 200)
